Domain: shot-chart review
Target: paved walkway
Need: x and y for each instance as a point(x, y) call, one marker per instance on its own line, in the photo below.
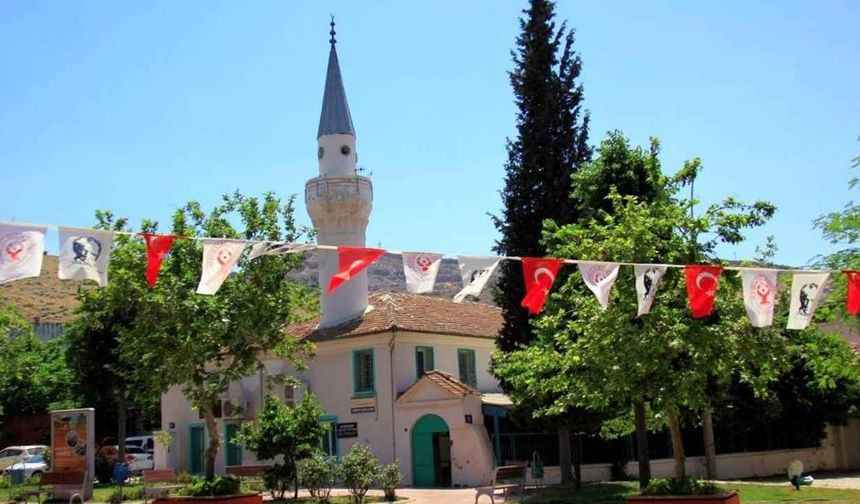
point(423, 495)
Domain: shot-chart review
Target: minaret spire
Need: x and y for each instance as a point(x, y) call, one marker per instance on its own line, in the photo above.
point(339, 200)
point(335, 117)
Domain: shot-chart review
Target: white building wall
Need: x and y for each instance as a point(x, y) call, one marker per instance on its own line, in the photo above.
point(444, 357)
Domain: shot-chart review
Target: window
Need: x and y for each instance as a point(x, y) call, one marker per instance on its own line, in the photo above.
point(466, 365)
point(363, 383)
point(423, 360)
point(328, 443)
point(289, 395)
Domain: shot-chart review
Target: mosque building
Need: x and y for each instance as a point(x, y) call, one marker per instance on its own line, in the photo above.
point(406, 374)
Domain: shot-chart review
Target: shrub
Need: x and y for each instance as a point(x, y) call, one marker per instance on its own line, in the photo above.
point(127, 494)
point(184, 478)
point(389, 479)
point(687, 486)
point(358, 470)
point(220, 485)
point(317, 473)
point(278, 479)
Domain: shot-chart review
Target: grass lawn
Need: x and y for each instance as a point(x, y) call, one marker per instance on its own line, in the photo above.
point(614, 492)
point(101, 493)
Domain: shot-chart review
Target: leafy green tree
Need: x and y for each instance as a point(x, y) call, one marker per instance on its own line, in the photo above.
point(93, 336)
point(292, 433)
point(664, 359)
point(34, 377)
point(551, 143)
point(842, 228)
point(205, 343)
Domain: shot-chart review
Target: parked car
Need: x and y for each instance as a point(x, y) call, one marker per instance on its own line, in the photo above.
point(145, 443)
point(137, 459)
point(12, 454)
point(32, 466)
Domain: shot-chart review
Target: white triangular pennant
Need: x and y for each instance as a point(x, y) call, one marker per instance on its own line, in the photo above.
point(648, 277)
point(21, 251)
point(475, 272)
point(599, 277)
point(219, 257)
point(807, 289)
point(759, 295)
point(420, 269)
point(84, 254)
point(277, 248)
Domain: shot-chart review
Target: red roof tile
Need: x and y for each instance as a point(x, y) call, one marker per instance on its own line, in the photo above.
point(410, 312)
point(446, 381)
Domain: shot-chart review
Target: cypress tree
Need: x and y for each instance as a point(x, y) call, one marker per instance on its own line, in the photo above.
point(551, 143)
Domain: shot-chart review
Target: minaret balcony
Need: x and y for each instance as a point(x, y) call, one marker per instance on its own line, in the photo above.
point(339, 200)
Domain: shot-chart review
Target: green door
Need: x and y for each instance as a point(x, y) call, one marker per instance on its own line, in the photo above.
point(196, 447)
point(425, 451)
point(234, 451)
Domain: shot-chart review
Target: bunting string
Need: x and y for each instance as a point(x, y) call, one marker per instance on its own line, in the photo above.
point(85, 252)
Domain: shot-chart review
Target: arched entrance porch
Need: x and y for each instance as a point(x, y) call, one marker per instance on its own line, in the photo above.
point(431, 452)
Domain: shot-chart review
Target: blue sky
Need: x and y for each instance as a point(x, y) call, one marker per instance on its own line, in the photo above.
point(138, 107)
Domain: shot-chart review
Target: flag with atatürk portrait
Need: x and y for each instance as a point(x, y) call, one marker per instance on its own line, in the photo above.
point(475, 272)
point(84, 254)
point(648, 277)
point(21, 251)
point(807, 289)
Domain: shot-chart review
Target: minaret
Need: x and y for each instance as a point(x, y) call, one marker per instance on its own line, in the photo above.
point(338, 200)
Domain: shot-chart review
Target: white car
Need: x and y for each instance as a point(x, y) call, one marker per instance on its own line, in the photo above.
point(145, 443)
point(137, 459)
point(32, 466)
point(12, 454)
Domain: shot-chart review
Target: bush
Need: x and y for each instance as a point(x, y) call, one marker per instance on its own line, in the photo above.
point(278, 479)
point(128, 494)
point(358, 470)
point(688, 486)
point(185, 478)
point(220, 485)
point(317, 473)
point(389, 479)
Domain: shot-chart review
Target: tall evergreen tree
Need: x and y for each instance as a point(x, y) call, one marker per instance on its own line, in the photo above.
point(551, 143)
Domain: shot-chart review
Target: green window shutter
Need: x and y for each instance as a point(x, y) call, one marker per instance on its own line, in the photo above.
point(466, 365)
point(423, 360)
point(371, 386)
point(356, 371)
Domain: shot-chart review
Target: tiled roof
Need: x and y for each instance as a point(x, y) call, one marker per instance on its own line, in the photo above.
point(410, 312)
point(445, 381)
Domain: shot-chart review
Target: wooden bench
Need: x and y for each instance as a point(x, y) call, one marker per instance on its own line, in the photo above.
point(152, 478)
point(247, 471)
point(72, 483)
point(502, 474)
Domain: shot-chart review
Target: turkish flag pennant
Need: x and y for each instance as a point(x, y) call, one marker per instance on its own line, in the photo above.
point(538, 274)
point(157, 246)
point(350, 262)
point(702, 283)
point(852, 304)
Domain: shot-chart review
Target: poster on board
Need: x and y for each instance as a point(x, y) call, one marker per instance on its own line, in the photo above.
point(73, 444)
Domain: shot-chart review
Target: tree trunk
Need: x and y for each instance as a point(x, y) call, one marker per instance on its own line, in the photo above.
point(642, 444)
point(710, 447)
point(677, 446)
point(121, 423)
point(564, 456)
point(577, 462)
point(214, 442)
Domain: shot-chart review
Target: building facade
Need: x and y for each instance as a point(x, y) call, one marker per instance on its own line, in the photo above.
point(405, 374)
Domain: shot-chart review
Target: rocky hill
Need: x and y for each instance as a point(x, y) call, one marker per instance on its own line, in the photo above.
point(386, 274)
